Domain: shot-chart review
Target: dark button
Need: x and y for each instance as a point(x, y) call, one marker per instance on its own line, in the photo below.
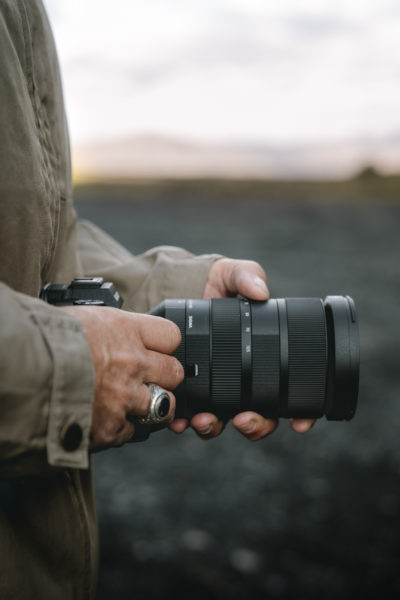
point(192, 370)
point(71, 437)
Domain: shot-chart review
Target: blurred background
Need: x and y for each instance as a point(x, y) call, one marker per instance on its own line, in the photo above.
point(268, 131)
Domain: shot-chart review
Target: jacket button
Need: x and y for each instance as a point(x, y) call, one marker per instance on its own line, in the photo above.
point(71, 437)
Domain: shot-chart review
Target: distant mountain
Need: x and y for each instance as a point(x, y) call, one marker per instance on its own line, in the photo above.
point(160, 156)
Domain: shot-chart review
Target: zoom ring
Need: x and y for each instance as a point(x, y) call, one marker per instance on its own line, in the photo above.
point(307, 360)
point(226, 358)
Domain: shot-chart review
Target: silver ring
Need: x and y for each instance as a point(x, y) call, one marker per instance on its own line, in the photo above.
point(160, 404)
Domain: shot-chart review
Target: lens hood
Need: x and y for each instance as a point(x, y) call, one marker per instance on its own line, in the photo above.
point(343, 357)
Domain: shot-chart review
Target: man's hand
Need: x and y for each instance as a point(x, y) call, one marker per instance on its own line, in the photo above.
point(227, 278)
point(129, 350)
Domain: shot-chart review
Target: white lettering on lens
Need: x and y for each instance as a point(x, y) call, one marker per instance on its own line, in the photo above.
point(190, 321)
point(248, 348)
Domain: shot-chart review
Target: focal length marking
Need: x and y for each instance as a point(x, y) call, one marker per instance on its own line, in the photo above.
point(247, 350)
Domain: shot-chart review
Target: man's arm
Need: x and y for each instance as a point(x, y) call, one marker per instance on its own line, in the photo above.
point(43, 353)
point(144, 280)
point(70, 377)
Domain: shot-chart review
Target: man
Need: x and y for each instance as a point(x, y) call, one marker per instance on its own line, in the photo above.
point(69, 378)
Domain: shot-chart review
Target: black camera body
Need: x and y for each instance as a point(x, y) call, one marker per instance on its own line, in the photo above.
point(286, 357)
point(92, 291)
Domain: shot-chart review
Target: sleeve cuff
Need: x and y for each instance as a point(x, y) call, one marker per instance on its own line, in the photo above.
point(70, 410)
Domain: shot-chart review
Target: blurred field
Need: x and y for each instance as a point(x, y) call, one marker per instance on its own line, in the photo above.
point(315, 516)
point(368, 186)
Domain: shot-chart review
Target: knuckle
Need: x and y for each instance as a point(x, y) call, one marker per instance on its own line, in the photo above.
point(107, 436)
point(118, 442)
point(113, 427)
point(178, 371)
point(139, 360)
point(125, 435)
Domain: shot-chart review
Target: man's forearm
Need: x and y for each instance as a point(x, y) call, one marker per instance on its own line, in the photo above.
point(46, 385)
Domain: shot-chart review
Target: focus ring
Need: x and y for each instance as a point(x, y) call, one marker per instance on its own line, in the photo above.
point(307, 360)
point(226, 356)
point(175, 311)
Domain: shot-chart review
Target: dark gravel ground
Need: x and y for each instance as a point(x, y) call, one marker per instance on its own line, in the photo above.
point(289, 517)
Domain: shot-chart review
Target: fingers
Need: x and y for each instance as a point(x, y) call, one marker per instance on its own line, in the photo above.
point(179, 425)
point(249, 280)
point(253, 426)
point(159, 334)
point(207, 425)
point(163, 370)
point(230, 277)
point(124, 435)
point(112, 431)
point(301, 425)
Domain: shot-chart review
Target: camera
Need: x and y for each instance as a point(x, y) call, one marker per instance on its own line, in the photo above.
point(286, 357)
point(91, 291)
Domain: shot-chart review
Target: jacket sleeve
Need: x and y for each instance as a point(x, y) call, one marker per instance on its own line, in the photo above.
point(144, 280)
point(46, 387)
point(46, 369)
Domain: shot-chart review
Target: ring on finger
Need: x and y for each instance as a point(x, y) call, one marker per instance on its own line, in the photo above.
point(159, 408)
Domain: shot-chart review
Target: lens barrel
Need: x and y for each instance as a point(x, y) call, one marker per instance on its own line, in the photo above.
point(288, 357)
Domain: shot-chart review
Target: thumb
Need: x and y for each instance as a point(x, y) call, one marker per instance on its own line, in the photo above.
point(250, 280)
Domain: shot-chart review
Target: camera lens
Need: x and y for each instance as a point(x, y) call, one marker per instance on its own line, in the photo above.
point(288, 357)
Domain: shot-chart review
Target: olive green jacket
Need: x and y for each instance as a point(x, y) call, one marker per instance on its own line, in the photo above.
point(48, 539)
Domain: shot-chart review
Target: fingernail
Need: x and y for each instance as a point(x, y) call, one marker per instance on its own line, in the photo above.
point(260, 283)
point(205, 430)
point(249, 426)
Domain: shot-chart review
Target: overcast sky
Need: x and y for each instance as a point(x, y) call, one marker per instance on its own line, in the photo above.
point(255, 70)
